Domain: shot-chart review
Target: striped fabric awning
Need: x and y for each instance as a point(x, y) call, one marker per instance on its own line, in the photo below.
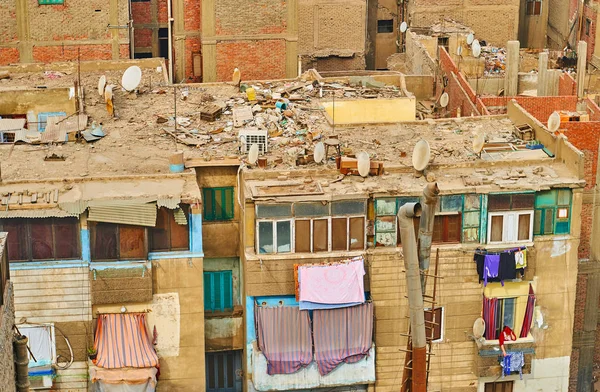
point(122, 340)
point(342, 335)
point(284, 338)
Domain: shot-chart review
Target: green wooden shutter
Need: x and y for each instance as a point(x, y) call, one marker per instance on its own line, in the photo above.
point(228, 203)
point(208, 297)
point(227, 290)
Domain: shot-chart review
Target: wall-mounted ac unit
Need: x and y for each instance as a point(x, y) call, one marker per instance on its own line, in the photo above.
point(250, 136)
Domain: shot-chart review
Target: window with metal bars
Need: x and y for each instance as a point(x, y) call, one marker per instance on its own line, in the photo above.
point(218, 203)
point(218, 291)
point(223, 371)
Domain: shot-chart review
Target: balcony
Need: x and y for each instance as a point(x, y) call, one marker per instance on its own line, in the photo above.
point(489, 357)
point(362, 372)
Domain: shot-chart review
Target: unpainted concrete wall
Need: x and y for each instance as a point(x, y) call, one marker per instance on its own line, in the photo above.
point(43, 100)
point(7, 320)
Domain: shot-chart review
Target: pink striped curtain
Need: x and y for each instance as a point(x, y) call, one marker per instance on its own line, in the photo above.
point(528, 314)
point(284, 338)
point(489, 316)
point(342, 335)
point(122, 340)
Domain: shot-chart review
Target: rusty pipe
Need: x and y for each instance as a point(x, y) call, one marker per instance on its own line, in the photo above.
point(429, 202)
point(405, 216)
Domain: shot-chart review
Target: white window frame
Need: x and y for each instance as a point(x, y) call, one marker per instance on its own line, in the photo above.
point(312, 221)
point(347, 217)
point(24, 327)
point(275, 248)
point(442, 321)
point(510, 226)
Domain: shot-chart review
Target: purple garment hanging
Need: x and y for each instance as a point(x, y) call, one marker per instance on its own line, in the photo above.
point(491, 265)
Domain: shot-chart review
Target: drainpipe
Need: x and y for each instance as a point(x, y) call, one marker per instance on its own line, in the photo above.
point(415, 296)
point(430, 198)
point(170, 31)
point(131, 32)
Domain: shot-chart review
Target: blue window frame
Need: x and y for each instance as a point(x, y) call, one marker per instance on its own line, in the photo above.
point(50, 2)
point(43, 117)
point(552, 212)
point(218, 291)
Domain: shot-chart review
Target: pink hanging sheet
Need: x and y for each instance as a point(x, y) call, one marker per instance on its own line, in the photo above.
point(333, 284)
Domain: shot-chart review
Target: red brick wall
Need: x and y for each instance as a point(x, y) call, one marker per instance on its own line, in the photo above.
point(9, 55)
point(539, 107)
point(263, 59)
point(192, 15)
point(573, 370)
point(589, 12)
point(567, 85)
point(49, 54)
point(140, 11)
point(142, 37)
point(593, 109)
point(124, 51)
point(192, 45)
point(163, 15)
point(459, 90)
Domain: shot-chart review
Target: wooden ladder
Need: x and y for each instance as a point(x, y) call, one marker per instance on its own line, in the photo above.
point(429, 328)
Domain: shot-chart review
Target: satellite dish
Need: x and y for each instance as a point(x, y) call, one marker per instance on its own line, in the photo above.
point(319, 153)
point(131, 78)
point(478, 143)
point(421, 155)
point(459, 51)
point(554, 122)
point(444, 100)
point(237, 76)
point(470, 39)
point(253, 154)
point(403, 27)
point(101, 85)
point(478, 328)
point(108, 94)
point(476, 48)
point(364, 164)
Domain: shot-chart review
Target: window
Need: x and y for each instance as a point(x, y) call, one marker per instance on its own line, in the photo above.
point(588, 26)
point(218, 291)
point(218, 204)
point(534, 7)
point(111, 241)
point(42, 239)
point(223, 371)
point(312, 235)
point(499, 386)
point(43, 117)
point(510, 218)
point(471, 218)
point(50, 2)
point(434, 324)
point(385, 26)
point(171, 231)
point(552, 212)
point(274, 236)
point(505, 311)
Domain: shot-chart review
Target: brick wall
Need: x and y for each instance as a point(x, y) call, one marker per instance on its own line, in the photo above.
point(495, 21)
point(8, 27)
point(539, 107)
point(593, 109)
point(589, 12)
point(142, 37)
point(235, 17)
point(48, 54)
point(7, 320)
point(567, 85)
point(573, 370)
point(459, 90)
point(264, 59)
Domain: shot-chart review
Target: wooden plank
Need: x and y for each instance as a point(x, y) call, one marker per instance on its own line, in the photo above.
point(200, 162)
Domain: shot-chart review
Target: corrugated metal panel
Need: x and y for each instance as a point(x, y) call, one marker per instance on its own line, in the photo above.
point(180, 217)
point(12, 124)
point(171, 203)
point(45, 213)
point(137, 214)
point(76, 207)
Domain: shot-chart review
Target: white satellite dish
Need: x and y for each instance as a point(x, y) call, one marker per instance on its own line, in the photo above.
point(478, 328)
point(253, 154)
point(101, 85)
point(478, 143)
point(319, 153)
point(364, 164)
point(108, 94)
point(236, 78)
point(470, 39)
point(459, 51)
point(403, 27)
point(131, 78)
point(444, 100)
point(421, 155)
point(476, 48)
point(554, 122)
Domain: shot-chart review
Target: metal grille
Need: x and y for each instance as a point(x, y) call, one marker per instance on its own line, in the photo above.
point(255, 136)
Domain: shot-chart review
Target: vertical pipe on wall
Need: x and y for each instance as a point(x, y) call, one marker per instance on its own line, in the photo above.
point(170, 31)
point(430, 198)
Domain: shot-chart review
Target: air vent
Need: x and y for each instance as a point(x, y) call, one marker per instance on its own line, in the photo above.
point(250, 136)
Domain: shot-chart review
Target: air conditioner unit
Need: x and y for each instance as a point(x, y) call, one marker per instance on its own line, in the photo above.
point(250, 136)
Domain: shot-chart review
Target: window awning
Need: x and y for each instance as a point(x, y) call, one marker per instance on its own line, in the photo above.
point(122, 340)
point(124, 212)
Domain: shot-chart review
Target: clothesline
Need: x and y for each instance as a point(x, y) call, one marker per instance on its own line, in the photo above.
point(484, 252)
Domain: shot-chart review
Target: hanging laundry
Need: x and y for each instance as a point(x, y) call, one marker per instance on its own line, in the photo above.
point(333, 284)
point(491, 265)
point(307, 305)
point(506, 365)
point(507, 269)
point(521, 258)
point(513, 362)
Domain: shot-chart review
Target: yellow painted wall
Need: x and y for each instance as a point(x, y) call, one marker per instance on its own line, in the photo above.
point(371, 111)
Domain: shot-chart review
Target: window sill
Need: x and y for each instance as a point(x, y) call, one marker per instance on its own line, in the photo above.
point(184, 254)
point(252, 256)
point(48, 264)
point(507, 245)
point(118, 264)
point(496, 342)
point(236, 312)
